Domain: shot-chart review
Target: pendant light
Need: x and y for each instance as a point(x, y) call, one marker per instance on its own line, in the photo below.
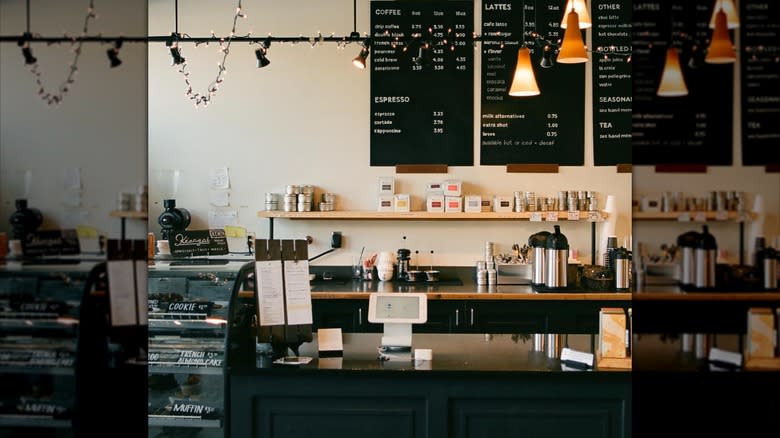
point(672, 80)
point(721, 50)
point(573, 48)
point(581, 8)
point(524, 80)
point(732, 17)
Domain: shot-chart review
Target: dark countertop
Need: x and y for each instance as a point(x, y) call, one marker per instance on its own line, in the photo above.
point(463, 353)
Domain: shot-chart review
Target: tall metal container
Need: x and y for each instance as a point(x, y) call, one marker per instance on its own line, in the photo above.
point(687, 243)
point(538, 241)
point(557, 257)
point(706, 254)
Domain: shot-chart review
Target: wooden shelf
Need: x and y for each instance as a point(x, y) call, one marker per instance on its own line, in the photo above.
point(413, 215)
point(694, 216)
point(129, 214)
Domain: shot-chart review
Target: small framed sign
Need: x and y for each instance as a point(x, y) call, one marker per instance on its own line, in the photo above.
point(198, 243)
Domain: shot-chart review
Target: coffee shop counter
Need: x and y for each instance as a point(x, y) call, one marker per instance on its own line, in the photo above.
point(475, 385)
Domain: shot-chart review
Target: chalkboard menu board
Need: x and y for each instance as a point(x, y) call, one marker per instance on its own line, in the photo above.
point(547, 128)
point(611, 35)
point(760, 79)
point(422, 83)
point(696, 128)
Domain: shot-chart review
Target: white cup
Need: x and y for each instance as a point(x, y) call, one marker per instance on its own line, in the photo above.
point(163, 247)
point(384, 274)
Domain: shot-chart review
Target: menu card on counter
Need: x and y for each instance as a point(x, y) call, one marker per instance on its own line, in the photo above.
point(760, 72)
point(696, 128)
point(422, 100)
point(611, 33)
point(548, 128)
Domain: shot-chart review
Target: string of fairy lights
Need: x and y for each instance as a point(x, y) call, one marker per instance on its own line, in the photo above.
point(419, 41)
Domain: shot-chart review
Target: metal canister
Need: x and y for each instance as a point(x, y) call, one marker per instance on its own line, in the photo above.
point(770, 259)
point(538, 342)
point(702, 345)
point(292, 189)
point(552, 345)
point(706, 253)
point(556, 259)
point(622, 269)
point(563, 197)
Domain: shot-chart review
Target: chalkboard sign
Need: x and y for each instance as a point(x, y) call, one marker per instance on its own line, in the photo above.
point(760, 80)
point(422, 86)
point(51, 242)
point(611, 35)
point(198, 243)
point(696, 128)
point(548, 128)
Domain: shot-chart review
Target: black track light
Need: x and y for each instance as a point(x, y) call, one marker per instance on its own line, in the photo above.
point(113, 54)
point(547, 53)
point(260, 53)
point(176, 55)
point(26, 50)
point(423, 57)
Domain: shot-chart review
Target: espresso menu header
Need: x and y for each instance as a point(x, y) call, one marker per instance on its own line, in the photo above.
point(422, 87)
point(548, 128)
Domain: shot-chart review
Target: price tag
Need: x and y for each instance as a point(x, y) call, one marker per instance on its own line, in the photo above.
point(552, 216)
point(536, 217)
point(573, 215)
point(684, 217)
point(700, 216)
point(722, 215)
point(594, 216)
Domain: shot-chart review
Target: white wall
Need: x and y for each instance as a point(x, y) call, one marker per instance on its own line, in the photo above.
point(304, 119)
point(99, 128)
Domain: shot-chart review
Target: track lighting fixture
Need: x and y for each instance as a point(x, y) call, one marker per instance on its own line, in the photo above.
point(113, 54)
point(360, 60)
point(547, 55)
point(26, 50)
point(174, 47)
point(260, 53)
point(423, 57)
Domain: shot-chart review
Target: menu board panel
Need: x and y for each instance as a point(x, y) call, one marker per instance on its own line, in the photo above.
point(611, 37)
point(760, 73)
point(547, 128)
point(695, 128)
point(422, 85)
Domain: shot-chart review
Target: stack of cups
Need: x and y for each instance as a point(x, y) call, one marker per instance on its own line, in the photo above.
point(519, 202)
point(289, 201)
point(304, 202)
point(530, 201)
point(328, 202)
point(562, 198)
point(490, 264)
point(384, 265)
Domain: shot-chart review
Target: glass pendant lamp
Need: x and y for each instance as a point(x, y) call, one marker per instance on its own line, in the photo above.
point(672, 80)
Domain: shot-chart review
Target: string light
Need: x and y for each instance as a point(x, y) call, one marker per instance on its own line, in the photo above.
point(224, 48)
point(52, 97)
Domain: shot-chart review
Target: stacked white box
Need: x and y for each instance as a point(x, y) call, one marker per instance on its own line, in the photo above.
point(452, 187)
point(472, 204)
point(453, 204)
point(503, 203)
point(435, 203)
point(401, 202)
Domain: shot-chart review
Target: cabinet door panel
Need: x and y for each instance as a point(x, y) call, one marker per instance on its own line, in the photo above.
point(497, 317)
point(443, 317)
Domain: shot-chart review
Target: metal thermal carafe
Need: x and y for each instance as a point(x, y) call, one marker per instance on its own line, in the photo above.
point(687, 243)
point(557, 259)
point(537, 242)
point(403, 264)
point(622, 269)
point(706, 254)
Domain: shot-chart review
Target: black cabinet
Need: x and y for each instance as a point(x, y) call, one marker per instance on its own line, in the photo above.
point(351, 316)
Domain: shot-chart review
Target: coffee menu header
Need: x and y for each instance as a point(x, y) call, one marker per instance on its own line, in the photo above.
point(760, 73)
point(548, 128)
point(696, 128)
point(422, 86)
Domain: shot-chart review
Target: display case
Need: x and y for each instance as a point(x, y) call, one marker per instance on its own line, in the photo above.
point(188, 307)
point(40, 307)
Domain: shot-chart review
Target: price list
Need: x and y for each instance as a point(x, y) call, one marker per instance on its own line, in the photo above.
point(695, 128)
point(547, 128)
point(760, 64)
point(422, 87)
point(611, 38)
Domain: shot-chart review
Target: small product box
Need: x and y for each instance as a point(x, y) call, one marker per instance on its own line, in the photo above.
point(452, 187)
point(435, 204)
point(401, 202)
point(472, 204)
point(386, 185)
point(762, 336)
point(453, 204)
point(385, 203)
point(612, 333)
point(434, 188)
point(502, 203)
point(487, 203)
